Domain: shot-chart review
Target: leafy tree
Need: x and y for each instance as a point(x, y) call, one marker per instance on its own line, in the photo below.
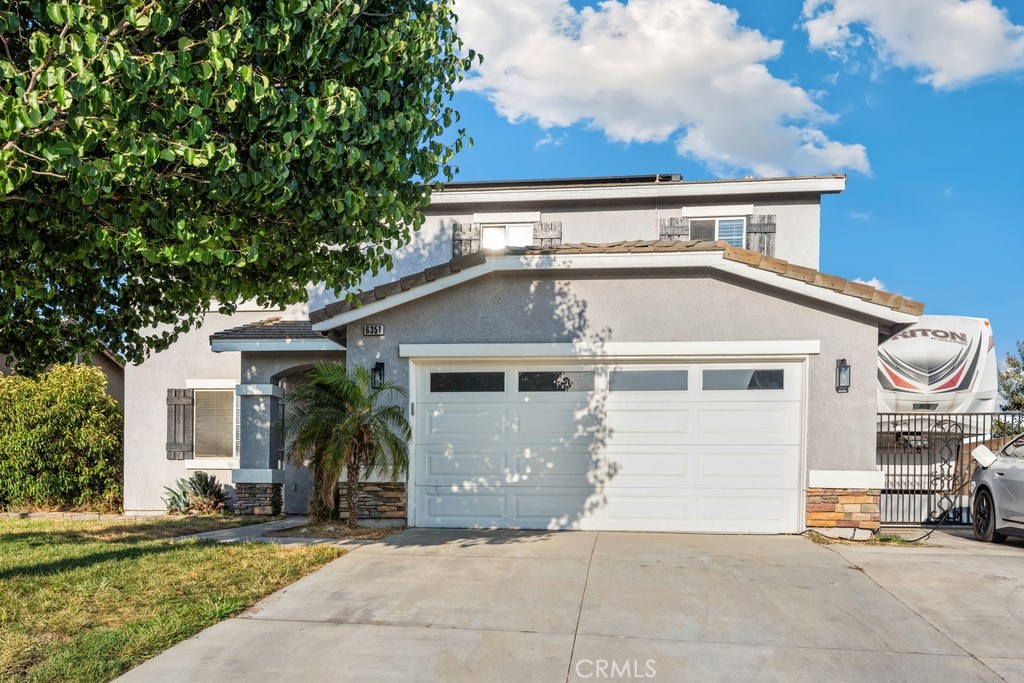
point(342, 424)
point(1011, 380)
point(60, 441)
point(157, 155)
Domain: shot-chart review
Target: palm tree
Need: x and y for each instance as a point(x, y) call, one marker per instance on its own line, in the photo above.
point(341, 423)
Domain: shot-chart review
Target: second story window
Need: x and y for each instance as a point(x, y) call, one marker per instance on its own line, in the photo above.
point(755, 232)
point(496, 236)
point(731, 230)
point(497, 232)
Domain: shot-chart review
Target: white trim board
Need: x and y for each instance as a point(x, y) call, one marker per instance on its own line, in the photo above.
point(211, 384)
point(221, 345)
point(533, 195)
point(717, 211)
point(507, 217)
point(713, 260)
point(619, 350)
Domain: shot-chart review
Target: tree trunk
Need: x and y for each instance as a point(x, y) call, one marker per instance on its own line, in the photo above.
point(323, 506)
point(352, 490)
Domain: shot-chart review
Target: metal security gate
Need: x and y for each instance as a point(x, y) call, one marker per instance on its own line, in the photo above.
point(927, 462)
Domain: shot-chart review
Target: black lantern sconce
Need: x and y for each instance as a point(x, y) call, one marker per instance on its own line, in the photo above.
point(377, 376)
point(842, 376)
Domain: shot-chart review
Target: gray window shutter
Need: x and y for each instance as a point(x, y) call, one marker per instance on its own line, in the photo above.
point(180, 413)
point(761, 234)
point(465, 239)
point(547, 233)
point(674, 229)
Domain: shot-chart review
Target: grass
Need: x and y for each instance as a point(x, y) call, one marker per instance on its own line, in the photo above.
point(86, 601)
point(336, 530)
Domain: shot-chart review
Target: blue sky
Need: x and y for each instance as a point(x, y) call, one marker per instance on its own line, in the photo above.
point(918, 101)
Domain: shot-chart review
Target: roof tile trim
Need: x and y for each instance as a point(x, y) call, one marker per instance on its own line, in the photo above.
point(729, 252)
point(269, 328)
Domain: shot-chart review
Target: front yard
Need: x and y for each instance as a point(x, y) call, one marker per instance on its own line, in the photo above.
point(86, 601)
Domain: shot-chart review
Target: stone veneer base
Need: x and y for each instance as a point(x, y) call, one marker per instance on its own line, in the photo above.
point(843, 509)
point(383, 502)
point(258, 499)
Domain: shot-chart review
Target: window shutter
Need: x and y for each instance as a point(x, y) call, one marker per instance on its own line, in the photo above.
point(761, 234)
point(465, 239)
point(180, 411)
point(547, 233)
point(674, 229)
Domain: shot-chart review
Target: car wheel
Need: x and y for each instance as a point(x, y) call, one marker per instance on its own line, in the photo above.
point(984, 518)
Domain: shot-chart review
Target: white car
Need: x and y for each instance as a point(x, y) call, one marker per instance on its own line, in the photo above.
point(997, 492)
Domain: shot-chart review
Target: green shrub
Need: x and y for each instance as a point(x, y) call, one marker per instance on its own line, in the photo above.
point(60, 441)
point(200, 494)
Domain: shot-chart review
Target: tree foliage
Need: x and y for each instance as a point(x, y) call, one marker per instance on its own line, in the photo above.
point(339, 423)
point(1011, 380)
point(60, 441)
point(157, 155)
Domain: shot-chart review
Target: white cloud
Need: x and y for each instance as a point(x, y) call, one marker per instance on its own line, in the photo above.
point(652, 71)
point(953, 42)
point(873, 282)
point(860, 216)
point(549, 140)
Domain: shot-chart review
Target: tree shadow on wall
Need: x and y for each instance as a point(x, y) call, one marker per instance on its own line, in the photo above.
point(543, 465)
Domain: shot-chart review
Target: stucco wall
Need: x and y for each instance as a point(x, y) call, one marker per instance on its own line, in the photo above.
point(595, 307)
point(146, 467)
point(797, 237)
point(285, 369)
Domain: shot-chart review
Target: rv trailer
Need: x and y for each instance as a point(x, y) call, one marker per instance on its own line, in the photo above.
point(941, 364)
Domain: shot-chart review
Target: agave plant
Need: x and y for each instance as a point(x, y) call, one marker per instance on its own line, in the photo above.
point(200, 494)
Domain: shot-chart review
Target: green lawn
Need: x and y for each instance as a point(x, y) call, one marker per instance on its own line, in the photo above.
point(86, 601)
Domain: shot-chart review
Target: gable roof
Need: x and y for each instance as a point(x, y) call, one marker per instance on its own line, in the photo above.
point(272, 334)
point(642, 254)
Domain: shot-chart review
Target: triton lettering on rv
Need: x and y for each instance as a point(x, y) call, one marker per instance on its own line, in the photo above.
point(941, 364)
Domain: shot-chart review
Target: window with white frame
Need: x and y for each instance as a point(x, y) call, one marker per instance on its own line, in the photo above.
point(215, 423)
point(731, 230)
point(499, 236)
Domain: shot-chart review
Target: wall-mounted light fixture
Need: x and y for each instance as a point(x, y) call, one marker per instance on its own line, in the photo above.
point(377, 376)
point(842, 376)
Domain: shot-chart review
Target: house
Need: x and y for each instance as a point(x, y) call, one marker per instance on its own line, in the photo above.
point(109, 364)
point(635, 353)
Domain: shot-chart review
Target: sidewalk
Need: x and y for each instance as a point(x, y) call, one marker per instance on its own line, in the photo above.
point(254, 533)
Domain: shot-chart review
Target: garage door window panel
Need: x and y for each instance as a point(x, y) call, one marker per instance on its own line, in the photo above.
point(556, 381)
point(467, 382)
point(744, 380)
point(648, 380)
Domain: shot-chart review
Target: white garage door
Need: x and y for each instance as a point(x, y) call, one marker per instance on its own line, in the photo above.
point(696, 447)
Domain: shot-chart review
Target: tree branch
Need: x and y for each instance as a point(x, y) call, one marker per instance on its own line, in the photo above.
point(42, 65)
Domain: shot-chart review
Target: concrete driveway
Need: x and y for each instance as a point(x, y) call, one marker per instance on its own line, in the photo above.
point(439, 605)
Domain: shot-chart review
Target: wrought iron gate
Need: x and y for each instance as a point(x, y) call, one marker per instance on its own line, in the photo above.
point(927, 462)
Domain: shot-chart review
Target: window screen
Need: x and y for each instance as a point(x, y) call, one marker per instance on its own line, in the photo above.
point(467, 382)
point(215, 424)
point(703, 230)
point(743, 380)
point(558, 380)
point(647, 380)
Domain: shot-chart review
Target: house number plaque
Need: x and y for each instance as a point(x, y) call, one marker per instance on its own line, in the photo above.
point(373, 330)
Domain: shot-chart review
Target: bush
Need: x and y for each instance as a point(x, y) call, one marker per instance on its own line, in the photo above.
point(60, 441)
point(200, 494)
